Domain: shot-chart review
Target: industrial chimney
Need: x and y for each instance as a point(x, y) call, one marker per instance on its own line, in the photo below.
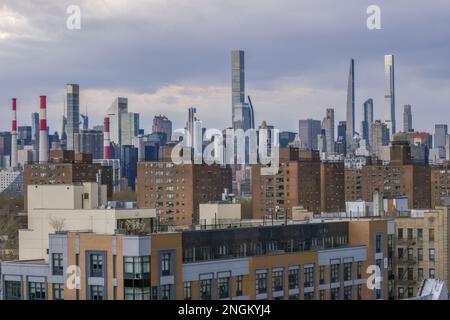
point(14, 134)
point(43, 138)
point(106, 139)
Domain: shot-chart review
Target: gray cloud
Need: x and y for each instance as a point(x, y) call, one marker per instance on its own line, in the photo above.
point(168, 55)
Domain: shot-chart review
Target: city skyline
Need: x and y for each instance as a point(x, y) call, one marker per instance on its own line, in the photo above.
point(303, 90)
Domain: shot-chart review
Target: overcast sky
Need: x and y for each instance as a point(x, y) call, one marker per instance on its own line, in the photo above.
point(168, 55)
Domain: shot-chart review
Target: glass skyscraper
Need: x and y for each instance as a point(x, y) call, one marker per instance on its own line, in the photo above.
point(73, 113)
point(389, 97)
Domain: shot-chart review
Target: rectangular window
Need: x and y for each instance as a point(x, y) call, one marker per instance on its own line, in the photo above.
point(96, 265)
point(277, 280)
point(223, 286)
point(400, 234)
point(58, 291)
point(165, 264)
point(335, 294)
point(96, 292)
point(187, 290)
point(431, 254)
point(309, 296)
point(348, 293)
point(410, 253)
point(13, 290)
point(420, 274)
point(205, 289)
point(57, 264)
point(400, 253)
point(410, 274)
point(359, 292)
point(419, 234)
point(309, 277)
point(37, 291)
point(136, 267)
point(321, 274)
point(165, 291)
point(359, 269)
point(239, 285)
point(410, 234)
point(378, 243)
point(293, 279)
point(420, 254)
point(431, 273)
point(401, 292)
point(261, 283)
point(335, 272)
point(431, 234)
point(347, 271)
point(410, 292)
point(400, 273)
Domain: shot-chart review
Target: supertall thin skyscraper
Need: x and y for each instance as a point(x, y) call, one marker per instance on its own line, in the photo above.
point(366, 124)
point(328, 126)
point(350, 105)
point(389, 116)
point(73, 113)
point(243, 116)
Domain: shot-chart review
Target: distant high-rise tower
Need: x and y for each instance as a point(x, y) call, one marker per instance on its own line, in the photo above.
point(308, 130)
point(407, 118)
point(380, 137)
point(351, 104)
point(73, 113)
point(115, 112)
point(366, 124)
point(162, 124)
point(328, 126)
point(440, 133)
point(243, 116)
point(389, 116)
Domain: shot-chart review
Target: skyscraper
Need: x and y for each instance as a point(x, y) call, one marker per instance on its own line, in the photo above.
point(407, 118)
point(73, 113)
point(308, 130)
point(389, 116)
point(440, 133)
point(380, 137)
point(340, 147)
point(114, 112)
point(350, 105)
point(366, 124)
point(328, 126)
point(162, 124)
point(243, 115)
point(129, 127)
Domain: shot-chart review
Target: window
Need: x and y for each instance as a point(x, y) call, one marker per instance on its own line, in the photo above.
point(347, 271)
point(165, 264)
point(359, 269)
point(309, 277)
point(293, 279)
point(136, 267)
point(261, 282)
point(410, 253)
point(239, 285)
point(348, 293)
point(400, 234)
point(277, 280)
point(335, 272)
point(378, 243)
point(58, 291)
point(321, 274)
point(96, 292)
point(359, 292)
point(400, 253)
point(223, 285)
point(431, 234)
point(165, 291)
point(335, 294)
point(410, 234)
point(420, 274)
point(96, 265)
point(410, 274)
point(400, 273)
point(431, 254)
point(401, 292)
point(420, 254)
point(410, 292)
point(322, 295)
point(419, 234)
point(187, 290)
point(205, 289)
point(37, 290)
point(309, 296)
point(137, 293)
point(13, 290)
point(57, 264)
point(431, 273)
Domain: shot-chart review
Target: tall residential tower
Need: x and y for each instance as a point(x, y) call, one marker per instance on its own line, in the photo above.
point(350, 105)
point(389, 115)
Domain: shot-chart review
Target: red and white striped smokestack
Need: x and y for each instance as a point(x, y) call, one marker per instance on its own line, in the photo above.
point(43, 137)
point(106, 139)
point(14, 134)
